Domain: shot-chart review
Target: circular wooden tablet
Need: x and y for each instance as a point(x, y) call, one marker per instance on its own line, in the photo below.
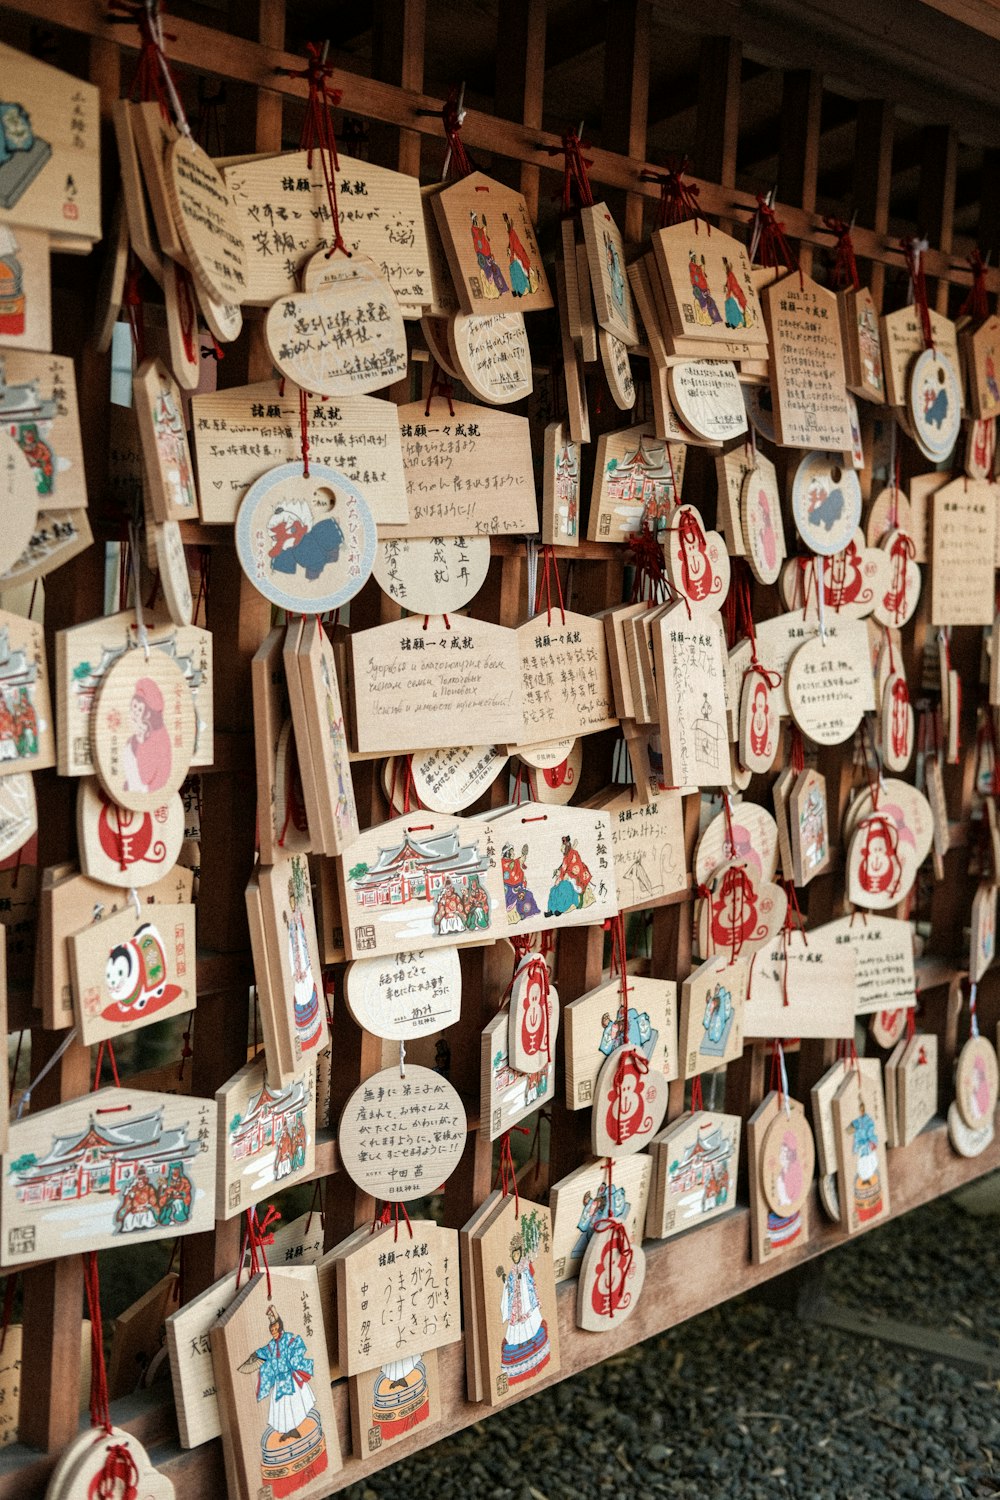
point(171, 563)
point(910, 812)
point(976, 1080)
point(706, 395)
point(122, 847)
point(935, 403)
point(890, 510)
point(897, 600)
point(557, 784)
point(759, 405)
point(432, 575)
point(18, 501)
point(760, 519)
point(825, 689)
point(400, 1138)
point(324, 269)
point(224, 319)
point(545, 754)
point(617, 369)
point(787, 1159)
point(612, 1275)
point(343, 339)
point(403, 996)
point(446, 781)
point(435, 331)
point(630, 1101)
point(142, 729)
point(829, 1197)
point(965, 1141)
point(493, 355)
point(898, 724)
point(18, 812)
point(307, 544)
point(886, 1027)
point(760, 724)
point(754, 835)
point(826, 502)
point(980, 447)
point(203, 215)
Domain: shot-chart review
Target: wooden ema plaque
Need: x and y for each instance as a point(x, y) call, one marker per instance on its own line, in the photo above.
point(406, 996)
point(580, 1200)
point(273, 1382)
point(204, 220)
point(566, 681)
point(608, 279)
point(402, 1133)
point(490, 243)
point(453, 479)
point(963, 542)
point(779, 1215)
point(560, 488)
point(647, 844)
point(708, 289)
point(27, 740)
point(344, 339)
point(695, 1161)
point(397, 1294)
point(807, 365)
point(492, 355)
point(516, 1297)
point(166, 458)
point(862, 1160)
point(243, 431)
point(150, 1174)
point(595, 1028)
point(129, 971)
point(392, 1400)
point(266, 1135)
point(50, 176)
point(434, 684)
point(556, 866)
point(281, 212)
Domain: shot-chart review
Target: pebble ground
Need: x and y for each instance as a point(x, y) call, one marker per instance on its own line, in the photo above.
point(752, 1402)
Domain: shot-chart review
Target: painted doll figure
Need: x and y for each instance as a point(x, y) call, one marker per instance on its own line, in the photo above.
point(147, 756)
point(283, 1368)
point(571, 888)
point(640, 1032)
point(298, 1144)
point(871, 351)
point(717, 1021)
point(139, 1206)
point(448, 914)
point(305, 992)
point(525, 1348)
point(171, 443)
point(991, 378)
point(26, 725)
point(935, 404)
point(494, 284)
point(736, 299)
point(523, 280)
point(283, 1155)
point(175, 1198)
point(867, 1187)
point(298, 542)
point(616, 275)
point(824, 506)
point(477, 908)
point(519, 901)
point(706, 311)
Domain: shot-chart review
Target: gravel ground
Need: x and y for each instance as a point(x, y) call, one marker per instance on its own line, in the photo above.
point(739, 1404)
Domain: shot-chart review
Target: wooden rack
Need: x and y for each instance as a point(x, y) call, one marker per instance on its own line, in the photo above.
point(695, 1270)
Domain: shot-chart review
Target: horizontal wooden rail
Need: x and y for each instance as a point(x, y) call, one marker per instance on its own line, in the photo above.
point(202, 49)
point(685, 1276)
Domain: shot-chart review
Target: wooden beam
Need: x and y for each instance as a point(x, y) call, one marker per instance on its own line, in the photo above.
point(626, 98)
point(798, 154)
point(873, 140)
point(936, 197)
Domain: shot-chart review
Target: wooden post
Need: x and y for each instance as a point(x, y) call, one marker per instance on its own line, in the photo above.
point(625, 106)
point(936, 201)
point(798, 153)
point(398, 57)
point(718, 119)
point(520, 83)
point(873, 138)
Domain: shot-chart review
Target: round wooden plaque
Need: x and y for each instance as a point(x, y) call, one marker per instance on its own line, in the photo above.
point(826, 502)
point(976, 1080)
point(142, 729)
point(787, 1158)
point(401, 1137)
point(202, 213)
point(432, 575)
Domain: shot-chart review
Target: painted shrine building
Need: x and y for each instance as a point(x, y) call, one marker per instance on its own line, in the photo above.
point(419, 869)
point(268, 1115)
point(707, 1155)
point(104, 1157)
point(644, 478)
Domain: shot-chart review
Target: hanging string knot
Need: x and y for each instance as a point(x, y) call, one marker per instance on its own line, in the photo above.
point(678, 199)
point(976, 305)
point(845, 267)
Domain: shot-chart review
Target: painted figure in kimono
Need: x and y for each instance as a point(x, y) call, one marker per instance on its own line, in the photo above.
point(139, 1206)
point(616, 276)
point(812, 830)
point(305, 991)
point(298, 1144)
point(736, 298)
point(864, 1145)
point(523, 279)
point(175, 1198)
point(626, 1113)
point(494, 284)
point(706, 312)
point(283, 1370)
point(525, 1348)
point(172, 448)
point(39, 455)
point(477, 908)
point(717, 1021)
point(25, 725)
point(782, 1229)
point(283, 1155)
point(572, 882)
point(148, 756)
point(595, 1207)
point(8, 741)
point(299, 542)
point(519, 900)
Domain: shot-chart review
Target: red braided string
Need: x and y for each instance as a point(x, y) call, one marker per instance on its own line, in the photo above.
point(845, 267)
